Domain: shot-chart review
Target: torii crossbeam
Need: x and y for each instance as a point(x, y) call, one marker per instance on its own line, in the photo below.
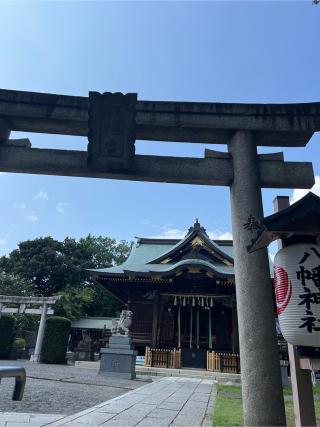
point(113, 122)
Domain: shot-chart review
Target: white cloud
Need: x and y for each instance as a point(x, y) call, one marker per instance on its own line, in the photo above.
point(62, 206)
point(32, 217)
point(41, 195)
point(220, 235)
point(22, 206)
point(298, 193)
point(171, 233)
point(175, 233)
point(2, 241)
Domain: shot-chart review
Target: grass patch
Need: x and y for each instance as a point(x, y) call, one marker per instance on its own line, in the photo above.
point(228, 410)
point(229, 388)
point(288, 391)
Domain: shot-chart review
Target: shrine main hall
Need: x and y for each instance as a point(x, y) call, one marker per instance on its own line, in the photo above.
point(183, 299)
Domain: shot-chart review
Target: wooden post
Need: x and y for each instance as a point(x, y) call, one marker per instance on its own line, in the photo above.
point(302, 393)
point(209, 328)
point(198, 326)
point(191, 320)
point(235, 334)
point(155, 321)
point(160, 314)
point(179, 326)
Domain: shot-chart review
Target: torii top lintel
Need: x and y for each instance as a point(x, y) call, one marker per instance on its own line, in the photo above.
point(113, 121)
point(276, 125)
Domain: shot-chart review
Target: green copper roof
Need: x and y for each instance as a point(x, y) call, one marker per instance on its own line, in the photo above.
point(144, 253)
point(147, 256)
point(166, 269)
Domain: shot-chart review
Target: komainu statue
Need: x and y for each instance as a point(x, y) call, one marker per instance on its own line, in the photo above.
point(122, 325)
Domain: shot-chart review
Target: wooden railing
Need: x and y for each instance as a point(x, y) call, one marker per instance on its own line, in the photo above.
point(223, 362)
point(163, 358)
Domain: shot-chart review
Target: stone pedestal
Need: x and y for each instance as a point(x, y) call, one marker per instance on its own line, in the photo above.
point(119, 358)
point(82, 355)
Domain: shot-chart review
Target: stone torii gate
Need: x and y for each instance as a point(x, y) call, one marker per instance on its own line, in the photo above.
point(22, 306)
point(113, 121)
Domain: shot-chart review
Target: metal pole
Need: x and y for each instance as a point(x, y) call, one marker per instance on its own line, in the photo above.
point(37, 352)
point(263, 402)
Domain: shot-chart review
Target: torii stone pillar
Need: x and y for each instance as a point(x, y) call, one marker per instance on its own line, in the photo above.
point(260, 370)
point(37, 351)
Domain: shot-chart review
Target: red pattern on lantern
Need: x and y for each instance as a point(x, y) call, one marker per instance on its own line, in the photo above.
point(283, 288)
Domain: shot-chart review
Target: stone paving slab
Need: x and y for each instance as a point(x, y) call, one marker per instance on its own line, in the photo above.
point(21, 419)
point(61, 389)
point(170, 401)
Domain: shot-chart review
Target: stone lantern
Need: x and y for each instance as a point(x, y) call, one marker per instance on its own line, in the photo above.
point(296, 268)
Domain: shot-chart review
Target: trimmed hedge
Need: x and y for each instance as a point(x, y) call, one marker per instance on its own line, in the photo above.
point(7, 329)
point(55, 340)
point(19, 343)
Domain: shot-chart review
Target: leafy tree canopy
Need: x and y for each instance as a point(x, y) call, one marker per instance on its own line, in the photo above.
point(11, 284)
point(45, 266)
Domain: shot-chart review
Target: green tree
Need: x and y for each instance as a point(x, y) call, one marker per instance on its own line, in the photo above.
point(40, 261)
point(50, 266)
point(99, 252)
point(11, 284)
point(74, 302)
point(53, 267)
point(103, 303)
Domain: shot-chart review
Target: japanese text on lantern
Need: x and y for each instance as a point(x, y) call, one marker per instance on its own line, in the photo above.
point(309, 298)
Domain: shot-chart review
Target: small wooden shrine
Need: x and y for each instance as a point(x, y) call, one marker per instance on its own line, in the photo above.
point(182, 294)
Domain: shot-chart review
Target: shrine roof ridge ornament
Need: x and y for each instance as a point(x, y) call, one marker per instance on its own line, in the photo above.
point(114, 121)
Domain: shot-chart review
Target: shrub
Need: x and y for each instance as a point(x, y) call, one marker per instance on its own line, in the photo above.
point(7, 328)
point(19, 343)
point(55, 340)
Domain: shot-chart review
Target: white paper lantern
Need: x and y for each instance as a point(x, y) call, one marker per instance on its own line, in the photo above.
point(297, 289)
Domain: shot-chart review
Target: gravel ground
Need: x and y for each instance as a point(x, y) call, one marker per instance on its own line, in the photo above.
point(59, 389)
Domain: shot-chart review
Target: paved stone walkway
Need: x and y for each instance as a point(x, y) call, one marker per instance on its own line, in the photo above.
point(170, 401)
point(20, 419)
point(62, 389)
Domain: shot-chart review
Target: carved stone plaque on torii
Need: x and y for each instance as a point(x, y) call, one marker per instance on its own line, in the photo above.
point(114, 121)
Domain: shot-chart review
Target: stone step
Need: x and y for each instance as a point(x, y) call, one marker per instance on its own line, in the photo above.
point(220, 377)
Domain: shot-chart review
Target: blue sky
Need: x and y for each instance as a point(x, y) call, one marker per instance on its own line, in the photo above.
point(180, 51)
